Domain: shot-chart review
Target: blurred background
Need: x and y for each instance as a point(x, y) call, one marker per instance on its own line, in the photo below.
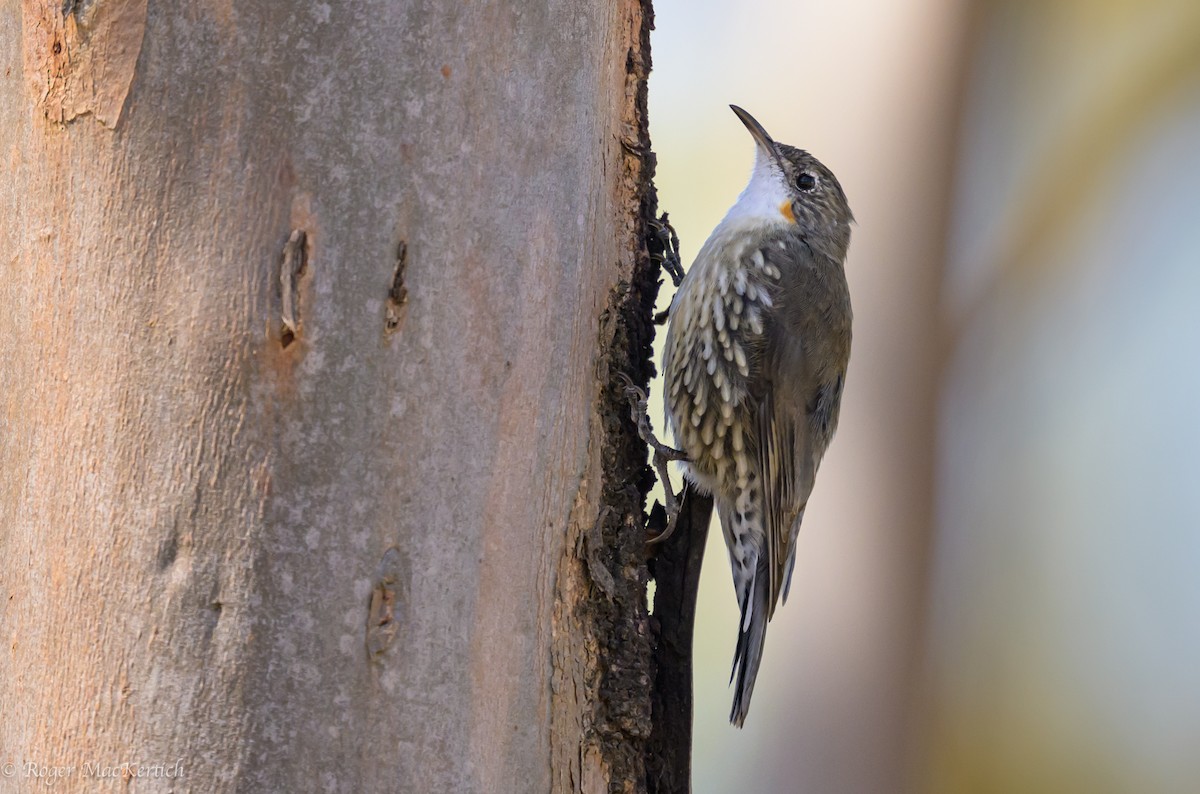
point(997, 585)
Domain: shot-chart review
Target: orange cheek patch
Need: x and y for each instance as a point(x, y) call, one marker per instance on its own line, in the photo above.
point(785, 209)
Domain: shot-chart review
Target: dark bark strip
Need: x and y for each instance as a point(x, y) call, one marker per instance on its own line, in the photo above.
point(676, 570)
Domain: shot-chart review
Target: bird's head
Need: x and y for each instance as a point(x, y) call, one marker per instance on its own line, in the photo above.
point(791, 186)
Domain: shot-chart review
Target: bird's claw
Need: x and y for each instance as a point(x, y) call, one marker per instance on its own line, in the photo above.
point(662, 453)
point(672, 517)
point(665, 250)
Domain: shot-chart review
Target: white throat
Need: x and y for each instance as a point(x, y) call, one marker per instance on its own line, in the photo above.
point(759, 203)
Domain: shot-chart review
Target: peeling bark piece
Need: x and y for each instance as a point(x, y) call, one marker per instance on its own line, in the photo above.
point(382, 615)
point(80, 58)
point(290, 270)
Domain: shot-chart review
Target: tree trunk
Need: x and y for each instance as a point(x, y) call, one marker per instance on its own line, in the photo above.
point(313, 473)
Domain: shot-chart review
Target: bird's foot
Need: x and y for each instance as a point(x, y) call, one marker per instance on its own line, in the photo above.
point(664, 249)
point(637, 411)
point(662, 453)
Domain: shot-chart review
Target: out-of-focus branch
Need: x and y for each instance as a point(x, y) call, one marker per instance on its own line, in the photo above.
point(676, 571)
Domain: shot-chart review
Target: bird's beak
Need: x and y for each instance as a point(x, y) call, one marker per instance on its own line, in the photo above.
point(756, 130)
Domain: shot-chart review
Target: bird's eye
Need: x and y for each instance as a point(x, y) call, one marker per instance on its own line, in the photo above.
point(806, 181)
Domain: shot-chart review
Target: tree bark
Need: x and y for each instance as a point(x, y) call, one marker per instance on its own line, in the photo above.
point(313, 470)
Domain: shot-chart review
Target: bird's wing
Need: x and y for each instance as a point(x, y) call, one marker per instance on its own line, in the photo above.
point(778, 383)
point(786, 464)
point(781, 428)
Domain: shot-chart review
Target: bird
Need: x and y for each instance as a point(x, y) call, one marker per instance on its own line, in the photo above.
point(757, 346)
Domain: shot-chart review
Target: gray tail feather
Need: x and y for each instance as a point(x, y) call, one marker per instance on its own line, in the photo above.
point(749, 646)
point(791, 563)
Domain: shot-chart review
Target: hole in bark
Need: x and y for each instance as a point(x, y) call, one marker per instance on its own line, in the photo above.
point(397, 299)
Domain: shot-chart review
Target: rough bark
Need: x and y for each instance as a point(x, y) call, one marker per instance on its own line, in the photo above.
point(313, 474)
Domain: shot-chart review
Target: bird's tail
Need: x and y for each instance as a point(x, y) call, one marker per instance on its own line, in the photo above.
point(752, 633)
